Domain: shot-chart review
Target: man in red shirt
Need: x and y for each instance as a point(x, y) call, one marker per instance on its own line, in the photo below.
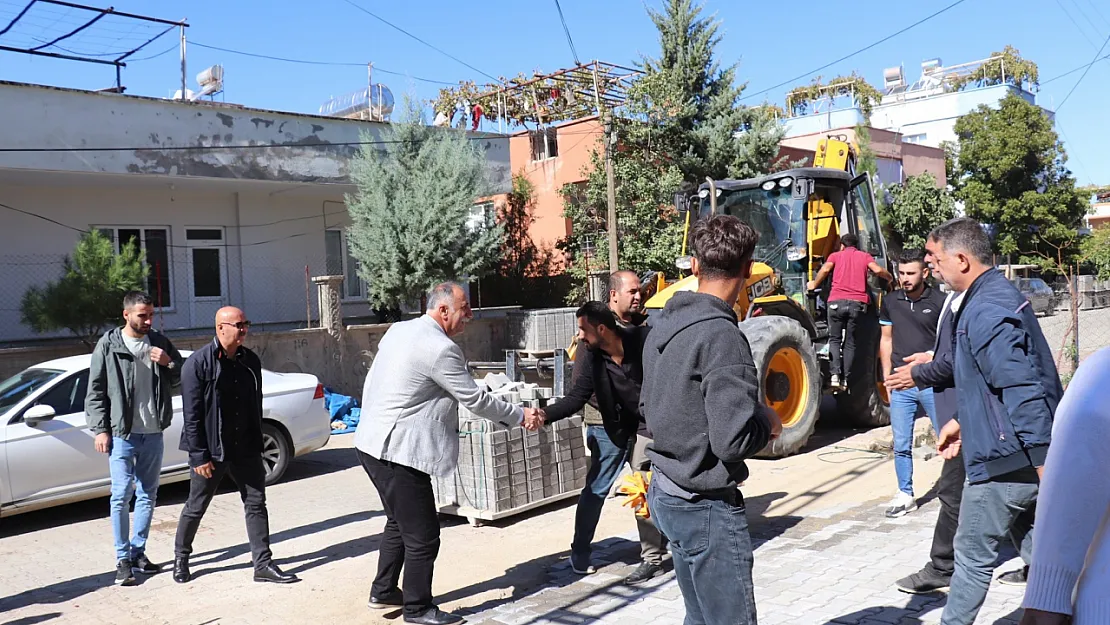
point(848, 300)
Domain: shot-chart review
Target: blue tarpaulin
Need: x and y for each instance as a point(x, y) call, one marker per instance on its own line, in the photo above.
point(343, 409)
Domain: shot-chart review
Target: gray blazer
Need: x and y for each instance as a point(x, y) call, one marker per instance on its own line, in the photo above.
point(410, 401)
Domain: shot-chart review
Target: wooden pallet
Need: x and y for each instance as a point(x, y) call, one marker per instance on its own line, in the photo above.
point(476, 517)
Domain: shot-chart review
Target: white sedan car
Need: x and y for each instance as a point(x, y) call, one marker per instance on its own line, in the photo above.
point(46, 450)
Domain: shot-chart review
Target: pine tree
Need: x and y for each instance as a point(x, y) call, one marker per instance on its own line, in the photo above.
point(682, 122)
point(89, 295)
point(409, 217)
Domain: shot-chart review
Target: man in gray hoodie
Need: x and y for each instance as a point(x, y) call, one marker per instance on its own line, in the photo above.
point(128, 406)
point(701, 401)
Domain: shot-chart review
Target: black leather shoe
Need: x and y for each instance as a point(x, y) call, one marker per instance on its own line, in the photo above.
point(181, 570)
point(435, 616)
point(392, 599)
point(643, 573)
point(271, 573)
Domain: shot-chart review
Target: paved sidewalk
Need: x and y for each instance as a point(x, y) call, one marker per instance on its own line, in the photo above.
point(832, 567)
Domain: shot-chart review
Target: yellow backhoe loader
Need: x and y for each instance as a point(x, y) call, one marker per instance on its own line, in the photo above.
point(799, 214)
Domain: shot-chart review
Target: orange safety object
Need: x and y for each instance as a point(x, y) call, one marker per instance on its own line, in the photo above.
point(634, 487)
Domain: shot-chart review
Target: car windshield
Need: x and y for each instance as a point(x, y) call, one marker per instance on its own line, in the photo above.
point(16, 388)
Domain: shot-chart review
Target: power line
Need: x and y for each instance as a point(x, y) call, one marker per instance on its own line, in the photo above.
point(1075, 23)
point(1084, 75)
point(566, 30)
point(1069, 73)
point(864, 49)
point(154, 56)
point(405, 32)
point(308, 62)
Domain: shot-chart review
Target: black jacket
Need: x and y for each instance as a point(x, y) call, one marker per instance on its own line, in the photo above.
point(938, 373)
point(701, 396)
point(201, 433)
point(592, 380)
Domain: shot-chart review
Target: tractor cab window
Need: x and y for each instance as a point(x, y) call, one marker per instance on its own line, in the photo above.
point(780, 221)
point(866, 218)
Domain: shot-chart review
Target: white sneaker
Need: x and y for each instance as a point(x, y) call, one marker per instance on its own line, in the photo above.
point(901, 505)
point(834, 382)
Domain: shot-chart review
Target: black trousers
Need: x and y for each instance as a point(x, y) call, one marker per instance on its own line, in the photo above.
point(411, 536)
point(950, 491)
point(842, 321)
point(250, 476)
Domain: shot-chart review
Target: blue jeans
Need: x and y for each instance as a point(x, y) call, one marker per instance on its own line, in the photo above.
point(606, 461)
point(712, 554)
point(903, 410)
point(135, 464)
point(989, 513)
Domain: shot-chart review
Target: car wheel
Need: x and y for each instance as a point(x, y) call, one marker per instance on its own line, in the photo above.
point(277, 452)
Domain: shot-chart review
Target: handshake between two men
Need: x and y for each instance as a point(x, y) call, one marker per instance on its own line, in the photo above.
point(534, 418)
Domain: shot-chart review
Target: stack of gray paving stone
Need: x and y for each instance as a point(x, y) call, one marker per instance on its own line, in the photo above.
point(502, 469)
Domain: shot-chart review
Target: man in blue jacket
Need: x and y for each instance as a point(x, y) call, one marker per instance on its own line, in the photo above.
point(1008, 389)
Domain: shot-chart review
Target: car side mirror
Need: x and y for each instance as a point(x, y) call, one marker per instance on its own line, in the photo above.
point(37, 414)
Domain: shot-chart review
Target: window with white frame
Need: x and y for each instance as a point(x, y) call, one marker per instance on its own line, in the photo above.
point(154, 245)
point(481, 214)
point(206, 262)
point(918, 138)
point(340, 263)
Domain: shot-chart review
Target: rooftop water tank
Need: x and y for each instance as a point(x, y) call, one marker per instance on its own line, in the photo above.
point(372, 102)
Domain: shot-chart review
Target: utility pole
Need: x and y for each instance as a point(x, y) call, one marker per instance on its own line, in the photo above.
point(610, 185)
point(611, 193)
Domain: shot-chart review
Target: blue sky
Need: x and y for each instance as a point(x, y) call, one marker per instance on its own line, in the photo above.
point(771, 41)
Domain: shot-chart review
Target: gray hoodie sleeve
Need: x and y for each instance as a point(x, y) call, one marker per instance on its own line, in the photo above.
point(738, 425)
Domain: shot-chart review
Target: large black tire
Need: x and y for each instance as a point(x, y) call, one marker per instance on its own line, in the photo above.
point(791, 383)
point(277, 452)
point(863, 404)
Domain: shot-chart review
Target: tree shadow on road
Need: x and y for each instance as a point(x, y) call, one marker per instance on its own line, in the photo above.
point(63, 592)
point(614, 559)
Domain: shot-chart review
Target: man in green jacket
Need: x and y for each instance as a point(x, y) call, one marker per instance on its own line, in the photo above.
point(129, 404)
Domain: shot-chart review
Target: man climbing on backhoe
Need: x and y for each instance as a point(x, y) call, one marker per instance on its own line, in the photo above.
point(847, 301)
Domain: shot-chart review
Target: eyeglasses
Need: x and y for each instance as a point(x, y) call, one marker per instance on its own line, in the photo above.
point(239, 325)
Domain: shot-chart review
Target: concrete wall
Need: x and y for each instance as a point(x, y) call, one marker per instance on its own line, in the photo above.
point(340, 366)
point(312, 151)
point(271, 232)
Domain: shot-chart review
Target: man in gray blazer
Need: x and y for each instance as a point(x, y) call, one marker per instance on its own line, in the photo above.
point(409, 431)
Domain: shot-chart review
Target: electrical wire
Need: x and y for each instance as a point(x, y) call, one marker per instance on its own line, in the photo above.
point(405, 32)
point(1069, 73)
point(566, 30)
point(162, 53)
point(848, 56)
point(1075, 23)
point(1084, 75)
point(308, 62)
